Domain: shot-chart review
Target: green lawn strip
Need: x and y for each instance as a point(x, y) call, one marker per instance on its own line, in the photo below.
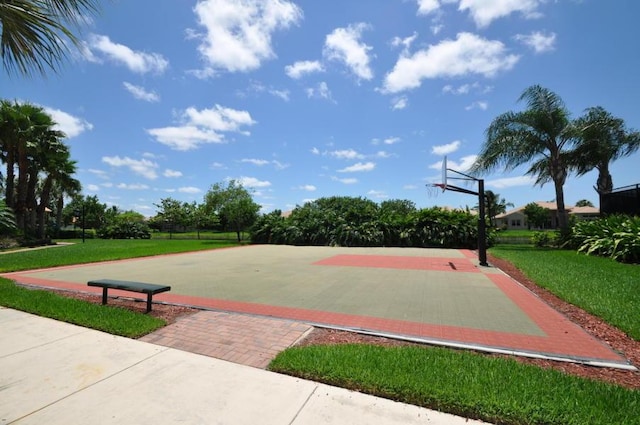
point(114, 320)
point(601, 286)
point(462, 383)
point(94, 250)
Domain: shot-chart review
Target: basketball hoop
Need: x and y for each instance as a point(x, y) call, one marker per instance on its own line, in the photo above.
point(434, 189)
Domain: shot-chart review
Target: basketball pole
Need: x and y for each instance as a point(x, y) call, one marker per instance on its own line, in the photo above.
point(482, 224)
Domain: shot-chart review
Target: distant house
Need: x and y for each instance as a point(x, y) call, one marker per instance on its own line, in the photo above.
point(516, 219)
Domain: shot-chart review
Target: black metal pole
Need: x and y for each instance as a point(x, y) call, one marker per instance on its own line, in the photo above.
point(482, 225)
point(83, 222)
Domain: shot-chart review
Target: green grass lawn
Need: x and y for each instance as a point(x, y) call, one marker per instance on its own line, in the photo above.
point(471, 385)
point(94, 250)
point(601, 286)
point(114, 320)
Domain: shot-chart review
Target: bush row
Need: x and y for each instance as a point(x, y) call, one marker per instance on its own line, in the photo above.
point(357, 222)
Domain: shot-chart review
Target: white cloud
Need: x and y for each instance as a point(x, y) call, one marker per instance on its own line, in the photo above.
point(349, 180)
point(189, 189)
point(139, 62)
point(256, 87)
point(446, 149)
point(279, 165)
point(468, 54)
point(142, 167)
point(253, 182)
point(140, 93)
point(308, 187)
point(134, 186)
point(478, 104)
point(315, 151)
point(346, 154)
point(93, 188)
point(399, 103)
point(99, 173)
point(258, 162)
point(382, 154)
point(391, 140)
point(511, 182)
point(405, 43)
point(484, 12)
point(426, 7)
point(344, 45)
point(379, 194)
point(237, 34)
point(171, 173)
point(321, 91)
point(67, 123)
point(202, 126)
point(218, 166)
point(358, 167)
point(539, 42)
point(301, 68)
point(475, 87)
point(463, 165)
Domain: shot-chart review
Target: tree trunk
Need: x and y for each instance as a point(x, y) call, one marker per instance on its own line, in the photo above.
point(10, 180)
point(41, 208)
point(604, 182)
point(563, 218)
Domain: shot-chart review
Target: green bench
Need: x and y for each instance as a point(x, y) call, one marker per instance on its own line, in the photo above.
point(124, 285)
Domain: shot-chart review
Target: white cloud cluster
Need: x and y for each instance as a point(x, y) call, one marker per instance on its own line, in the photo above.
point(301, 68)
point(346, 154)
point(538, 41)
point(321, 91)
point(359, 167)
point(142, 167)
point(136, 61)
point(468, 54)
point(447, 148)
point(484, 12)
point(237, 34)
point(140, 93)
point(67, 123)
point(344, 45)
point(252, 182)
point(202, 126)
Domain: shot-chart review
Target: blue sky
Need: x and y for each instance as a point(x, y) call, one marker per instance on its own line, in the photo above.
point(304, 99)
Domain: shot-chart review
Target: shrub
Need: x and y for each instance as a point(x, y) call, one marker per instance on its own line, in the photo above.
point(615, 236)
point(545, 239)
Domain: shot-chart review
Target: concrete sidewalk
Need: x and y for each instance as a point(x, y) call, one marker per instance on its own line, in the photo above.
point(56, 373)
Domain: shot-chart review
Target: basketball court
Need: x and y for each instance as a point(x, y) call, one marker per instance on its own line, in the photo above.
point(436, 296)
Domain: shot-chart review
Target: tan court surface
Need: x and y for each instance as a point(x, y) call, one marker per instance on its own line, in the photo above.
point(435, 295)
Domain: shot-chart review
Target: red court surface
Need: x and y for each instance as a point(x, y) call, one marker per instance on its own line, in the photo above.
point(558, 338)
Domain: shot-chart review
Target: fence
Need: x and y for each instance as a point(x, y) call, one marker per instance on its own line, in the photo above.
point(623, 200)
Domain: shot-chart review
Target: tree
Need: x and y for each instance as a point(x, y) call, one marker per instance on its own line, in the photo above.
point(33, 32)
point(584, 203)
point(95, 213)
point(536, 215)
point(233, 204)
point(540, 134)
point(172, 212)
point(7, 219)
point(602, 139)
point(494, 205)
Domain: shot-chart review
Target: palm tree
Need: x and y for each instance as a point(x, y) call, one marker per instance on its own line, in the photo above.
point(33, 32)
point(540, 134)
point(495, 205)
point(602, 138)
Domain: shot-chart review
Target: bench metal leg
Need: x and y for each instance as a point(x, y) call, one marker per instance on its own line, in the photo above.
point(104, 296)
point(149, 295)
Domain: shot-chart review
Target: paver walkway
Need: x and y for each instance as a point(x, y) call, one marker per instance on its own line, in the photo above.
point(249, 340)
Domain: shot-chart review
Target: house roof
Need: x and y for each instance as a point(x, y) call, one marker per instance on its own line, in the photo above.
point(552, 207)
